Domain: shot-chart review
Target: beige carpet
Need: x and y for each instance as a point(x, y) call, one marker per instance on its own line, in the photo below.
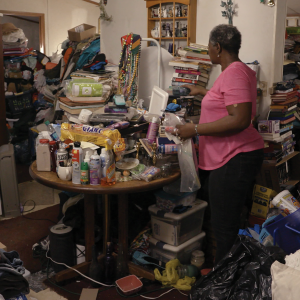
point(44, 295)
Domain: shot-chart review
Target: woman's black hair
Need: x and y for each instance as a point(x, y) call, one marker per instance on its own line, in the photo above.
point(227, 36)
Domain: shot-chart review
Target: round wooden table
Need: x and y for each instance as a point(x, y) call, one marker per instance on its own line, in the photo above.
point(121, 189)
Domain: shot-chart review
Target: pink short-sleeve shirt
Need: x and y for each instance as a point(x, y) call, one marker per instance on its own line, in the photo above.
point(236, 84)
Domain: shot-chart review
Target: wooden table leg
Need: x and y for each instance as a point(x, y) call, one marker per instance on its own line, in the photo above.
point(89, 219)
point(106, 222)
point(123, 223)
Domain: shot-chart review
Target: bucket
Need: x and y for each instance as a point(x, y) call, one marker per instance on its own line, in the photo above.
point(84, 115)
point(286, 202)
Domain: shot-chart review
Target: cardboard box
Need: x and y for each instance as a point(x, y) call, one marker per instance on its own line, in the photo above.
point(261, 200)
point(81, 32)
point(3, 247)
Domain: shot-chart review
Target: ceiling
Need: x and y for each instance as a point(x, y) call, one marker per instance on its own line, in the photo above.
point(293, 7)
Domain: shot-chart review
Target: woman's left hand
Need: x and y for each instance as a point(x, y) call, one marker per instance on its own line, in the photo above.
point(185, 131)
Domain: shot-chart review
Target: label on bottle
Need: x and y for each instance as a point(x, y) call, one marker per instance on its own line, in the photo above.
point(152, 132)
point(94, 172)
point(167, 149)
point(110, 173)
point(84, 177)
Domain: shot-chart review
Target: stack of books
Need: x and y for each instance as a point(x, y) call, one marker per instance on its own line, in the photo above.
point(279, 142)
point(192, 67)
point(15, 48)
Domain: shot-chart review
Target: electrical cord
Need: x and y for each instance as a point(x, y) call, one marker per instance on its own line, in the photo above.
point(22, 213)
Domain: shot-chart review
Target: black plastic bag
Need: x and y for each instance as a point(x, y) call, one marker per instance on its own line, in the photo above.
point(245, 273)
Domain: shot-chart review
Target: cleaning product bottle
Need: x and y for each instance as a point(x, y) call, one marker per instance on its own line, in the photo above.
point(84, 170)
point(152, 130)
point(108, 163)
point(95, 175)
point(76, 162)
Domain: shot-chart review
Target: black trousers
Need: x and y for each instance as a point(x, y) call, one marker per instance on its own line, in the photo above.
point(228, 187)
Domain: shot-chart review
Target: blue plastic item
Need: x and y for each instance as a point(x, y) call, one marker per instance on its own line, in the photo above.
point(264, 232)
point(286, 231)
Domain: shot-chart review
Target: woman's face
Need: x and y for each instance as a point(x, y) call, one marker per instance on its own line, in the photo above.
point(213, 53)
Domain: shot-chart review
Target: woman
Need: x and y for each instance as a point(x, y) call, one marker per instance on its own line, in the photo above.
point(230, 148)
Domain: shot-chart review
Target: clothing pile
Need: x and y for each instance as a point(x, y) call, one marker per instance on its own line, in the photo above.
point(12, 282)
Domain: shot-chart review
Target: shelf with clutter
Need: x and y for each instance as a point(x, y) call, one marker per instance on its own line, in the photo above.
point(175, 21)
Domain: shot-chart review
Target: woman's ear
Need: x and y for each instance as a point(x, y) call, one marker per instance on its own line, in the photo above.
point(218, 48)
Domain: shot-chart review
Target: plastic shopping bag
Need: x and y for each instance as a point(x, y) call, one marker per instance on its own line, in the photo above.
point(186, 155)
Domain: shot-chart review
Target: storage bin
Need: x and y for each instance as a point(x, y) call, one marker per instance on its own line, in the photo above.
point(175, 229)
point(183, 253)
point(168, 202)
point(19, 102)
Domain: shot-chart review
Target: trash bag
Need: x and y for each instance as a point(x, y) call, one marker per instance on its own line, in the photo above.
point(244, 273)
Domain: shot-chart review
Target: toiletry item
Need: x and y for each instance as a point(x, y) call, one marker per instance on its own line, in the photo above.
point(53, 149)
point(108, 165)
point(95, 173)
point(76, 162)
point(61, 156)
point(152, 130)
point(84, 172)
point(43, 160)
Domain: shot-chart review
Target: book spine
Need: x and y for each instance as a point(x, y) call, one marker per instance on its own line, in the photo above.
point(180, 83)
point(190, 72)
point(283, 92)
point(184, 80)
point(198, 58)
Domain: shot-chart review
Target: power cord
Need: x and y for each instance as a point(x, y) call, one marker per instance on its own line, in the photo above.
point(22, 213)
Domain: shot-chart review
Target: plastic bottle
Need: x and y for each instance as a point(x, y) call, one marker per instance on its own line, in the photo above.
point(121, 265)
point(152, 130)
point(95, 175)
point(108, 165)
point(109, 265)
point(76, 162)
point(53, 149)
point(52, 131)
point(84, 170)
point(61, 156)
point(187, 270)
point(43, 160)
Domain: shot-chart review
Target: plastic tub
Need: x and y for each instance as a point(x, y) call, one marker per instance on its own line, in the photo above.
point(168, 202)
point(183, 253)
point(129, 284)
point(175, 229)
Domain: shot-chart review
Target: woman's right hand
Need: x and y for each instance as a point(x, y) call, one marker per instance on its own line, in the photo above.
point(196, 90)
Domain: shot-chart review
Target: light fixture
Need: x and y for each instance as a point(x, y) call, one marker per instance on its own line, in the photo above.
point(271, 3)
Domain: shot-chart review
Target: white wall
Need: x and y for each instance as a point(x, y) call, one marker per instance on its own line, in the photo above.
point(59, 16)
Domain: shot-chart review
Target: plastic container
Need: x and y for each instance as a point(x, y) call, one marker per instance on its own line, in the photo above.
point(197, 258)
point(152, 130)
point(85, 115)
point(168, 202)
point(183, 253)
point(129, 284)
point(176, 229)
point(76, 162)
point(43, 159)
point(95, 168)
point(285, 202)
point(17, 103)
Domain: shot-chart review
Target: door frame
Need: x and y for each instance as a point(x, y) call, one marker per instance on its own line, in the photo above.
point(30, 14)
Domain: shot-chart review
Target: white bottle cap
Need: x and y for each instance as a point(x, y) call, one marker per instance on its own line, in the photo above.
point(87, 157)
point(103, 151)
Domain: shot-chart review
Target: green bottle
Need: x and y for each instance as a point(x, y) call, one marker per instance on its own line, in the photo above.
point(84, 172)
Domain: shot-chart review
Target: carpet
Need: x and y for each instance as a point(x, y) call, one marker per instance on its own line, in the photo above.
point(76, 286)
point(21, 233)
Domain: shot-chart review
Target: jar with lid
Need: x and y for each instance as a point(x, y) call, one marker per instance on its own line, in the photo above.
point(43, 161)
point(197, 258)
point(165, 170)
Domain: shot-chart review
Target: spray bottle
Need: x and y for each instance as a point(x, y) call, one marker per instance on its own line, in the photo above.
point(76, 162)
point(84, 170)
point(152, 130)
point(108, 165)
point(95, 174)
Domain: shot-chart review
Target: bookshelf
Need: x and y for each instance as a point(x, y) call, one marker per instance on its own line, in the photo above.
point(269, 173)
point(189, 20)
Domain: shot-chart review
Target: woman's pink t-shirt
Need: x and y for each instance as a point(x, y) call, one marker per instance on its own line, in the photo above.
point(236, 84)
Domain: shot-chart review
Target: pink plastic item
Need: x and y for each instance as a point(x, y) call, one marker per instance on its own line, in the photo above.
point(129, 284)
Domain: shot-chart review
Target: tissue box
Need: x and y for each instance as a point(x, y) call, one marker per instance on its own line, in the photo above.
point(81, 32)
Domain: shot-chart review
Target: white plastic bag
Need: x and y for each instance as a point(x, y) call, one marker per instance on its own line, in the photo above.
point(189, 171)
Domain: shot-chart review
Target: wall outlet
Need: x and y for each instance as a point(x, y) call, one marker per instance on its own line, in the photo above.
point(263, 85)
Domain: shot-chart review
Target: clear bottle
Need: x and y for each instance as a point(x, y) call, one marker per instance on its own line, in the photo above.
point(109, 265)
point(109, 170)
point(197, 258)
point(52, 131)
point(121, 266)
point(95, 175)
point(187, 270)
point(43, 160)
point(76, 162)
point(96, 270)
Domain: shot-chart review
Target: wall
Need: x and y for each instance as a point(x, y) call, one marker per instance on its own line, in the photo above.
point(261, 26)
point(30, 29)
point(59, 16)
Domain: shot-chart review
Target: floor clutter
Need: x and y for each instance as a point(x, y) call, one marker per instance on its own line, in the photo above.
point(134, 218)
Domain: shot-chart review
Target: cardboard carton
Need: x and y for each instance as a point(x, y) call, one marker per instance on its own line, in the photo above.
point(81, 32)
point(261, 200)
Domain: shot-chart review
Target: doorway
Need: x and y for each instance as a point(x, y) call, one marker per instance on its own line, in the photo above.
point(33, 25)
